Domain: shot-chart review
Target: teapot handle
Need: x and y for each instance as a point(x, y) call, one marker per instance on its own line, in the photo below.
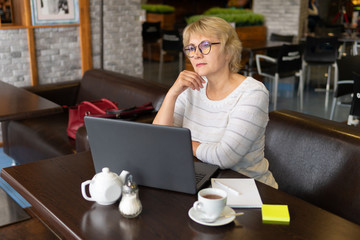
point(123, 176)
point(83, 190)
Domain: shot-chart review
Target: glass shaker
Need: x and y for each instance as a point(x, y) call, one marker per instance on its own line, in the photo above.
point(130, 205)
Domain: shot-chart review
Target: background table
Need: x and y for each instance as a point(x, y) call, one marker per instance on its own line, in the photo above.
point(251, 50)
point(17, 103)
point(53, 188)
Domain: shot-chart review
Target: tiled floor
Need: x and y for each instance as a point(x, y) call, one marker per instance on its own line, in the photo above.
point(314, 100)
point(6, 161)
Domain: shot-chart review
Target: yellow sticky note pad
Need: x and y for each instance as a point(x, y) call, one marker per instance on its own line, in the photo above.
point(275, 214)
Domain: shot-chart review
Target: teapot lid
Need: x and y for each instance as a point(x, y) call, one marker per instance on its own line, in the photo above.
point(105, 175)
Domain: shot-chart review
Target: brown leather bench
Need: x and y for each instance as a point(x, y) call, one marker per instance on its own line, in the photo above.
point(45, 137)
point(317, 160)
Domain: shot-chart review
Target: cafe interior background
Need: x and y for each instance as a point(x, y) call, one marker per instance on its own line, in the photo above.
point(117, 44)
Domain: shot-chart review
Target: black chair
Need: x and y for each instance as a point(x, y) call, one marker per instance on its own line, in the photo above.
point(276, 37)
point(321, 51)
point(345, 84)
point(281, 38)
point(355, 48)
point(171, 43)
point(250, 69)
point(286, 64)
point(355, 104)
point(151, 34)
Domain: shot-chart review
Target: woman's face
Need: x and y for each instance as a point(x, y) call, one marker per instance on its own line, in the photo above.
point(211, 63)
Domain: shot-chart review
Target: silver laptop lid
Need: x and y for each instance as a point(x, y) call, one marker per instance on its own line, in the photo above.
point(157, 156)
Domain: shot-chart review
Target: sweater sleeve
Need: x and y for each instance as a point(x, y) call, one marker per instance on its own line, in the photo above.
point(179, 110)
point(245, 128)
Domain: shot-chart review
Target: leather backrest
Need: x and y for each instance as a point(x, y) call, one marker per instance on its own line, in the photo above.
point(317, 160)
point(172, 40)
point(355, 103)
point(347, 65)
point(281, 38)
point(62, 93)
point(151, 31)
point(126, 90)
point(289, 58)
point(321, 50)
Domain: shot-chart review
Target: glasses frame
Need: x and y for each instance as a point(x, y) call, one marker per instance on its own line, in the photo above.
point(198, 46)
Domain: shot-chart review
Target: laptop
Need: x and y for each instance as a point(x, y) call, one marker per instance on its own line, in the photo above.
point(157, 156)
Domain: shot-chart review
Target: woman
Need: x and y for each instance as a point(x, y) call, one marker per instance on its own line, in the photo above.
point(226, 112)
point(313, 17)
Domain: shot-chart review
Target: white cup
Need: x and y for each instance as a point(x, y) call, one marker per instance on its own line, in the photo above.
point(211, 202)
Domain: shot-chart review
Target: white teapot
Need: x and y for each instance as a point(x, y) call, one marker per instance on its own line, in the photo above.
point(104, 187)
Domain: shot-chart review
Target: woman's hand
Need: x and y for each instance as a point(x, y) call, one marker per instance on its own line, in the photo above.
point(186, 79)
point(195, 145)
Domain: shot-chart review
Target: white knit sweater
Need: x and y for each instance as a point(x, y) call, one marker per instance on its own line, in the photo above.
point(231, 130)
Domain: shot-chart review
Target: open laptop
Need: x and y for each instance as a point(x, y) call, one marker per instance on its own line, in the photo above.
point(156, 156)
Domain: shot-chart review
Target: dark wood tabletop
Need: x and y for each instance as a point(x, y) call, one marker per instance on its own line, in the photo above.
point(349, 38)
point(17, 103)
point(32, 229)
point(264, 45)
point(53, 188)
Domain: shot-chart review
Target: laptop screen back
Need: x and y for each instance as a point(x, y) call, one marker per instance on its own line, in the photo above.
point(157, 156)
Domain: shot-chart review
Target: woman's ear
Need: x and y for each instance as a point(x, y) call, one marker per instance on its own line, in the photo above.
point(228, 55)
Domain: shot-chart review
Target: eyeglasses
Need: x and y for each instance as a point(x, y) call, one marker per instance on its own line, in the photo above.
point(204, 47)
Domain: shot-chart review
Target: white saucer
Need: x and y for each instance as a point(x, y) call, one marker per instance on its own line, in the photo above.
point(194, 215)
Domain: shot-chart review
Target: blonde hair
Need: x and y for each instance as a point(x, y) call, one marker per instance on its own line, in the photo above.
point(221, 29)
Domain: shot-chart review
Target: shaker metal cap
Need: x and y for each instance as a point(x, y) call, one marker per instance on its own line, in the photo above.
point(129, 186)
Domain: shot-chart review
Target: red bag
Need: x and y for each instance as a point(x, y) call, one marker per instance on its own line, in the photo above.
point(86, 108)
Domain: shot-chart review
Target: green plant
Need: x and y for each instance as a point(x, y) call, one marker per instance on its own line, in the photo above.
point(157, 8)
point(217, 10)
point(241, 17)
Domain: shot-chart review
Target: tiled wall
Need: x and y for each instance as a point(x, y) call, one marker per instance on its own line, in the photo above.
point(14, 57)
point(122, 36)
point(123, 33)
point(58, 49)
point(58, 54)
point(283, 16)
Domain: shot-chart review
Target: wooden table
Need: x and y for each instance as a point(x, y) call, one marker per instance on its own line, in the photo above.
point(53, 188)
point(353, 40)
point(258, 46)
point(17, 103)
point(32, 229)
